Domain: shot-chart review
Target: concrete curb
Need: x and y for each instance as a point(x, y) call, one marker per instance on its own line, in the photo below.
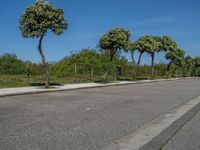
point(159, 131)
point(34, 90)
point(158, 142)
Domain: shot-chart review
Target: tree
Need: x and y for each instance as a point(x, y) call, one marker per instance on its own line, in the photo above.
point(173, 55)
point(157, 46)
point(188, 65)
point(170, 46)
point(152, 45)
point(112, 43)
point(37, 20)
point(131, 47)
point(196, 68)
point(140, 46)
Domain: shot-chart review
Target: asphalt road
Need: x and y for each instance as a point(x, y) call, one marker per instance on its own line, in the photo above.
point(188, 138)
point(87, 119)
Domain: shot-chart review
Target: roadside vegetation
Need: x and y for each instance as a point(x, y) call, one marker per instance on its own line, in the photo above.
point(87, 65)
point(105, 63)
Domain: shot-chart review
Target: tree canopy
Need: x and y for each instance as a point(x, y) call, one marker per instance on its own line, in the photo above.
point(175, 54)
point(41, 17)
point(141, 44)
point(168, 43)
point(152, 44)
point(115, 40)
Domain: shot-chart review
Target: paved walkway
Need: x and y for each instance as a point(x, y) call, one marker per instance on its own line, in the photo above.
point(32, 90)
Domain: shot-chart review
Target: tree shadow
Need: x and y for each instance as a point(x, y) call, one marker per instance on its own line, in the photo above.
point(43, 84)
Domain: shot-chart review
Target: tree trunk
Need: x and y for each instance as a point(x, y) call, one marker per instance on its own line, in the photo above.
point(152, 66)
point(133, 65)
point(168, 68)
point(169, 65)
point(44, 61)
point(105, 76)
point(138, 63)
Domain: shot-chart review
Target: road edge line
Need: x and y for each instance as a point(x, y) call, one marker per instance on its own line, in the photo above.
point(156, 133)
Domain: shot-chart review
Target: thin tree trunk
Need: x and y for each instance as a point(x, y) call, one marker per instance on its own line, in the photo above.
point(105, 76)
point(168, 68)
point(152, 66)
point(169, 65)
point(138, 63)
point(44, 61)
point(133, 65)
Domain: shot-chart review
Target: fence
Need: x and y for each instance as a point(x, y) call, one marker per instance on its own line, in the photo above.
point(80, 72)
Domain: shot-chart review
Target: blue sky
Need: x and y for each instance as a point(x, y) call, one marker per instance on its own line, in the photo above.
point(90, 19)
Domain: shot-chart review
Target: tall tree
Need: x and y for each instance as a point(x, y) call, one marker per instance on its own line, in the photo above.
point(140, 46)
point(152, 45)
point(156, 47)
point(113, 42)
point(37, 20)
point(170, 46)
point(131, 47)
point(188, 65)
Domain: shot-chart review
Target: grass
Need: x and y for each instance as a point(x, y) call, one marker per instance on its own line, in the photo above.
point(8, 81)
point(13, 81)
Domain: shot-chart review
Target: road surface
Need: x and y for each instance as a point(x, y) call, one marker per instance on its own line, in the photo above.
point(87, 119)
point(188, 138)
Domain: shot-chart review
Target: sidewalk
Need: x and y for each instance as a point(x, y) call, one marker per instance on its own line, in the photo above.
point(33, 90)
